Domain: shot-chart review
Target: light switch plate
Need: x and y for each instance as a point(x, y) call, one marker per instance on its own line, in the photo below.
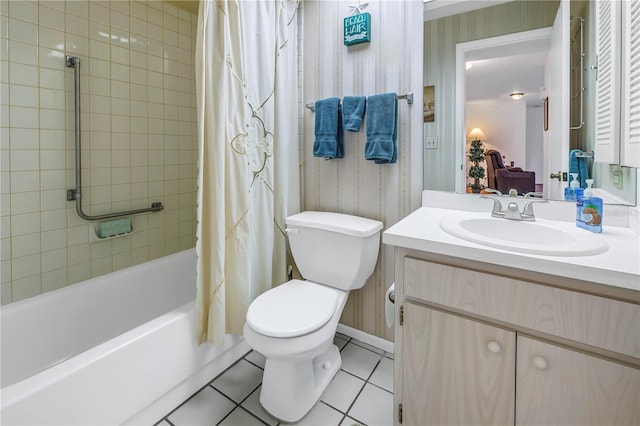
point(431, 142)
point(617, 179)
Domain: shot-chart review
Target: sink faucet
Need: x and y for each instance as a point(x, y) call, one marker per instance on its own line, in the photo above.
point(513, 211)
point(532, 194)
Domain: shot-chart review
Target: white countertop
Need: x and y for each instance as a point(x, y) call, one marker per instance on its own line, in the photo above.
point(619, 266)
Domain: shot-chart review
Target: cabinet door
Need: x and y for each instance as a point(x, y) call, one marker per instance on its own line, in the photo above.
point(456, 371)
point(560, 386)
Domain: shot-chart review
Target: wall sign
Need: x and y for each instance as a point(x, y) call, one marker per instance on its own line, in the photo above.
point(357, 29)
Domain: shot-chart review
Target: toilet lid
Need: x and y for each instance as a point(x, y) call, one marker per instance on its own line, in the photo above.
point(292, 309)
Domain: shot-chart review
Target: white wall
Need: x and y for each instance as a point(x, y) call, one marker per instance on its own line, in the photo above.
point(534, 152)
point(504, 125)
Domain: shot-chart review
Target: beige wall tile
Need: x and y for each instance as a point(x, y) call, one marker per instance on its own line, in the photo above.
point(132, 101)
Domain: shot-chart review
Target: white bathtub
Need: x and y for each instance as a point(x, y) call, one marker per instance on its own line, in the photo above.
point(117, 349)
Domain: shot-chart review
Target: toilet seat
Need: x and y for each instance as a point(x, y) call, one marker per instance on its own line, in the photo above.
point(292, 309)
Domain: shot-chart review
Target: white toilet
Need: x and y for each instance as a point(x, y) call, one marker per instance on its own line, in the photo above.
point(293, 325)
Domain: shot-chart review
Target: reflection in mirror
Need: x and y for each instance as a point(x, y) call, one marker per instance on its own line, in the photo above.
point(444, 30)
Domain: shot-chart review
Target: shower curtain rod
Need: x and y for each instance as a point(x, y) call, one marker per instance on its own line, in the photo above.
point(408, 96)
point(76, 194)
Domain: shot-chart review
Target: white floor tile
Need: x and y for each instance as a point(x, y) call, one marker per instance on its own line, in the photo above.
point(257, 358)
point(383, 374)
point(207, 407)
point(252, 404)
point(321, 415)
point(239, 381)
point(348, 421)
point(240, 417)
point(358, 360)
point(373, 407)
point(342, 391)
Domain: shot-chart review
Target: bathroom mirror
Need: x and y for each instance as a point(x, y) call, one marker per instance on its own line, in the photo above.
point(450, 23)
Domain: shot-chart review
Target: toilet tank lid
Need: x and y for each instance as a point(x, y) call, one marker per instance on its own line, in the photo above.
point(336, 222)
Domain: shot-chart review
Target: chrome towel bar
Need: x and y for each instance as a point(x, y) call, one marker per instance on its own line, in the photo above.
point(408, 96)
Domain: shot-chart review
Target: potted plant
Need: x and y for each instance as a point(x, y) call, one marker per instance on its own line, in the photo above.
point(476, 156)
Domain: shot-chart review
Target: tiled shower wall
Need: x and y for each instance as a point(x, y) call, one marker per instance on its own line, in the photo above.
point(138, 133)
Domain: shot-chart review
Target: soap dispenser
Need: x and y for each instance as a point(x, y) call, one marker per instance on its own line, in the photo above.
point(573, 191)
point(589, 210)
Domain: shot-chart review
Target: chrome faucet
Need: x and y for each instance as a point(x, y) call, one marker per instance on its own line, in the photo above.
point(532, 194)
point(513, 211)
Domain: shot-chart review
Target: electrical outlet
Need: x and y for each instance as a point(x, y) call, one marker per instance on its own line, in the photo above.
point(431, 142)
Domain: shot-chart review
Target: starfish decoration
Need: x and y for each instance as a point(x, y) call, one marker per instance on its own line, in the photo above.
point(357, 9)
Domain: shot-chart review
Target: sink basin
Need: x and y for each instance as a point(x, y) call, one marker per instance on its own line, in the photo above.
point(545, 237)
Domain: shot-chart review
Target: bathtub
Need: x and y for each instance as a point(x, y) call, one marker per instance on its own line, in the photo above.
point(116, 349)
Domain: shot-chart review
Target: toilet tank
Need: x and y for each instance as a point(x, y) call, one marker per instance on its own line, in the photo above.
point(334, 249)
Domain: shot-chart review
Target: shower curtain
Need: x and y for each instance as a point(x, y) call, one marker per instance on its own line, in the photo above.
point(248, 178)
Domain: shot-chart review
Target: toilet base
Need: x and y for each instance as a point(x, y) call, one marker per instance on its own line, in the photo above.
point(290, 387)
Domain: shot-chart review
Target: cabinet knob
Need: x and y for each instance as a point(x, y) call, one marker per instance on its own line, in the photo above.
point(493, 346)
point(540, 363)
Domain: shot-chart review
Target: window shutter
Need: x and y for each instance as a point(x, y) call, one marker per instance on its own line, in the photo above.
point(607, 82)
point(630, 149)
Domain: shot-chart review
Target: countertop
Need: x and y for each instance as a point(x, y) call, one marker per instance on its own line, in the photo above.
point(619, 266)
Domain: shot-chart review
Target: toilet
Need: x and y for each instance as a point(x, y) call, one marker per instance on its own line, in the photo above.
point(293, 324)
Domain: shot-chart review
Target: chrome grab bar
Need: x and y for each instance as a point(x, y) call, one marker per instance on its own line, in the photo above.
point(76, 194)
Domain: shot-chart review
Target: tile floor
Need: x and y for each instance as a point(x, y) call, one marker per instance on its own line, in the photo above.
point(361, 393)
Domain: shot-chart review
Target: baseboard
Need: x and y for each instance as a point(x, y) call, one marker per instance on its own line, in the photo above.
point(370, 339)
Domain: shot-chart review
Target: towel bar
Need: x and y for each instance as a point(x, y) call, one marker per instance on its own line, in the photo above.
point(408, 96)
point(585, 155)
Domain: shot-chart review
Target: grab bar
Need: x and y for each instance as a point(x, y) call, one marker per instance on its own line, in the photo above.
point(76, 194)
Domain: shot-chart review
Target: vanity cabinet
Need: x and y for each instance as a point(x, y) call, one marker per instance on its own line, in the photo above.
point(556, 385)
point(457, 371)
point(482, 344)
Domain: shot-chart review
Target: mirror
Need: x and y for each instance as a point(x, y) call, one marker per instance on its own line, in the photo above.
point(449, 23)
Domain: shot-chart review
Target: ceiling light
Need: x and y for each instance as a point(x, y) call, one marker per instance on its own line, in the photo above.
point(516, 95)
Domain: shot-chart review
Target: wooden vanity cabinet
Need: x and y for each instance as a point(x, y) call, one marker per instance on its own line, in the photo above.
point(481, 348)
point(556, 385)
point(457, 371)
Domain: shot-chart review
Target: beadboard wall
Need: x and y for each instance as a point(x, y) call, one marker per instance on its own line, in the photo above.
point(391, 62)
point(440, 39)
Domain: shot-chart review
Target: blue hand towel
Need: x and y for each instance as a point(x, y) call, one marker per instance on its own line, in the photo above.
point(352, 112)
point(579, 165)
point(328, 129)
point(382, 128)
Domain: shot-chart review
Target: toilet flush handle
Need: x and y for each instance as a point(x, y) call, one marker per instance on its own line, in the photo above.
point(293, 231)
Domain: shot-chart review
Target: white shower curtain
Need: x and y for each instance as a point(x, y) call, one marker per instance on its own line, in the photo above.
point(246, 77)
